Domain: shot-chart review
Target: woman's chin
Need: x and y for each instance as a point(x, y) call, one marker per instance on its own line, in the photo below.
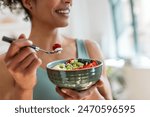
point(64, 24)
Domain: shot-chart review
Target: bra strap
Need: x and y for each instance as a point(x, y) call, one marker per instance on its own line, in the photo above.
point(81, 49)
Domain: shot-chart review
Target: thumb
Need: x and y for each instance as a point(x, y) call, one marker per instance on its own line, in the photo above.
point(103, 88)
point(99, 83)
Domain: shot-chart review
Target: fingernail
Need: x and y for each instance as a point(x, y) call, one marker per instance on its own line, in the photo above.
point(40, 61)
point(30, 42)
point(63, 90)
point(8, 62)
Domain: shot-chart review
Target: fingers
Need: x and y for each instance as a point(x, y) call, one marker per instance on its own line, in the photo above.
point(99, 83)
point(16, 60)
point(64, 95)
point(71, 93)
point(91, 93)
point(78, 95)
point(60, 92)
point(34, 65)
point(16, 46)
point(28, 60)
point(22, 62)
point(103, 88)
point(21, 58)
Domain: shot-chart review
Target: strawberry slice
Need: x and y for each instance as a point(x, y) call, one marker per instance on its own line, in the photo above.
point(94, 63)
point(69, 61)
point(56, 46)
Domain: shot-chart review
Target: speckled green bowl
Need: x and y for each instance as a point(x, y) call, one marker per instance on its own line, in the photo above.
point(74, 79)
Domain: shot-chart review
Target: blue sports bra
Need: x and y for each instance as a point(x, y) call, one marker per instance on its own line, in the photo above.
point(45, 89)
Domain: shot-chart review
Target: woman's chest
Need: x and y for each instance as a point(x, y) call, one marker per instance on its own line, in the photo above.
point(65, 54)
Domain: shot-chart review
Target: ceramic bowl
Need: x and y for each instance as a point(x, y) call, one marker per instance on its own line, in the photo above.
point(80, 79)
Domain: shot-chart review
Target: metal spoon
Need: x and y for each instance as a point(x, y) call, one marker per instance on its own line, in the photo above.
point(57, 50)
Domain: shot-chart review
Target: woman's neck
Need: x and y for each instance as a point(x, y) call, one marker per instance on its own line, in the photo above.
point(45, 38)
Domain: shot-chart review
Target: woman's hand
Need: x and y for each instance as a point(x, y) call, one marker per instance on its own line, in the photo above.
point(93, 93)
point(22, 63)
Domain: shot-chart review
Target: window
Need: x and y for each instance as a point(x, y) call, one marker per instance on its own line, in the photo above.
point(131, 21)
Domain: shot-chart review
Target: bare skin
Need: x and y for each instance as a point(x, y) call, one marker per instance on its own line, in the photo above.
point(19, 64)
point(19, 69)
point(93, 93)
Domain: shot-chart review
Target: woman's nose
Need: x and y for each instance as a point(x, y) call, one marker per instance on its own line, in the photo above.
point(68, 2)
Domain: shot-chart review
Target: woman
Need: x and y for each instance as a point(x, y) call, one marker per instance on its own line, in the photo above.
point(23, 74)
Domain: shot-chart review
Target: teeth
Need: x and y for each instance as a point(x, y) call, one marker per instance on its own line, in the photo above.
point(63, 11)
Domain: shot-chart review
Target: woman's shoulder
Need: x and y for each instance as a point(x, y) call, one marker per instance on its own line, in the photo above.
point(91, 44)
point(93, 49)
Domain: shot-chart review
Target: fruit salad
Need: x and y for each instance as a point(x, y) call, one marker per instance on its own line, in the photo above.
point(74, 64)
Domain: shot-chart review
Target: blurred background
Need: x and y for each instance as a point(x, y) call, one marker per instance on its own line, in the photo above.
point(122, 29)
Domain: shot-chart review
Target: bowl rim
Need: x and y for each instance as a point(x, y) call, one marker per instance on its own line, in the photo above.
point(101, 64)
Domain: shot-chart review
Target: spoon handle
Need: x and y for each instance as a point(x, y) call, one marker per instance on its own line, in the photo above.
point(7, 39)
point(10, 40)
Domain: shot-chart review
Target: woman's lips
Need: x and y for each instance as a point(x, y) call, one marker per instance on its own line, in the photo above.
point(63, 12)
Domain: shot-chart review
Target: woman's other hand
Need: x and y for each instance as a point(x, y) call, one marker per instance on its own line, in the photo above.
point(93, 93)
point(22, 63)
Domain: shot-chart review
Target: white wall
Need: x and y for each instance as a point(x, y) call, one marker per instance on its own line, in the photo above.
point(101, 25)
point(129, 80)
point(92, 19)
point(138, 83)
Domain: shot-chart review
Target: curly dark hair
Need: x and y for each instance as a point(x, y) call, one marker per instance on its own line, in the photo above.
point(15, 6)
